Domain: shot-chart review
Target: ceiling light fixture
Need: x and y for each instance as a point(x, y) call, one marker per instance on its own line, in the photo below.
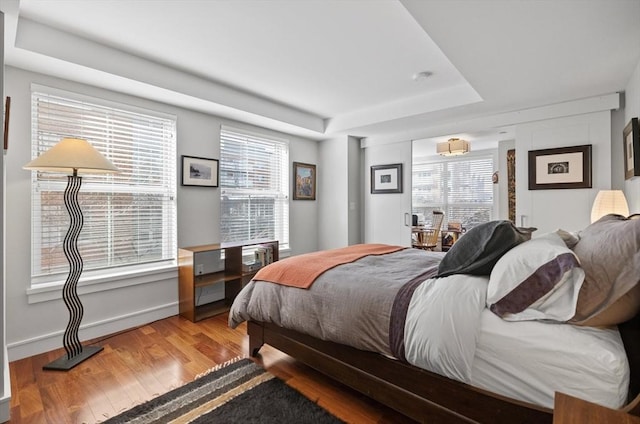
point(453, 147)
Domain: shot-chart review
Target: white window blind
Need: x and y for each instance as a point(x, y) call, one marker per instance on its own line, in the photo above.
point(254, 182)
point(129, 218)
point(461, 188)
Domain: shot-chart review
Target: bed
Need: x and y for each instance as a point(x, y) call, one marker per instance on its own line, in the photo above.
point(518, 318)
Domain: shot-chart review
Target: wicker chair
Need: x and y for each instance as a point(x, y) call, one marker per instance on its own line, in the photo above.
point(427, 237)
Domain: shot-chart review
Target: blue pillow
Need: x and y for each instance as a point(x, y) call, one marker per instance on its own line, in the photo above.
point(479, 249)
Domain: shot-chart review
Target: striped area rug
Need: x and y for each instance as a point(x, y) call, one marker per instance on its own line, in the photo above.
point(239, 391)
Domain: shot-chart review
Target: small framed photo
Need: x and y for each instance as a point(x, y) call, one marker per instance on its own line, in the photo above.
point(565, 167)
point(631, 137)
point(386, 178)
point(201, 172)
point(304, 181)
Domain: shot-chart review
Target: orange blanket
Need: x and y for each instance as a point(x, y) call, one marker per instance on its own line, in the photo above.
point(302, 270)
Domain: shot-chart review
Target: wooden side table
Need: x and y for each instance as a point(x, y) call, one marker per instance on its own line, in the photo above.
point(571, 410)
point(203, 266)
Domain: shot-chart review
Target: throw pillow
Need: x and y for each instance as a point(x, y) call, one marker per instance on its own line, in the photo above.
point(478, 250)
point(609, 252)
point(537, 280)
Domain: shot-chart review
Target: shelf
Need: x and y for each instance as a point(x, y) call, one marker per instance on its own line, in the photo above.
point(213, 278)
point(227, 271)
point(227, 245)
point(209, 310)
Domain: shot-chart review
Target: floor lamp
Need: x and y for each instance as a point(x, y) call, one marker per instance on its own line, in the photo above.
point(72, 156)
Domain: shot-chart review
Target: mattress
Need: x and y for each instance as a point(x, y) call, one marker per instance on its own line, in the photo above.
point(512, 359)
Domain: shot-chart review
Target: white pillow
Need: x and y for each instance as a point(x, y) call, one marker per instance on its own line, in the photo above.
point(537, 280)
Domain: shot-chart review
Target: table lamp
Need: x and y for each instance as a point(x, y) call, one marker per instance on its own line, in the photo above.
point(72, 156)
point(609, 201)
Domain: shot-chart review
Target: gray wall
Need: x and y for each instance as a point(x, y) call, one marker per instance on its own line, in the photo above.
point(632, 110)
point(5, 384)
point(333, 192)
point(355, 197)
point(112, 306)
point(340, 193)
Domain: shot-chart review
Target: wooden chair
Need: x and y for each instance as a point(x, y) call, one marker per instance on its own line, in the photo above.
point(427, 237)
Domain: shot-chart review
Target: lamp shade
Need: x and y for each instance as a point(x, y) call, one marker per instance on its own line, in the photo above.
point(609, 201)
point(453, 147)
point(72, 155)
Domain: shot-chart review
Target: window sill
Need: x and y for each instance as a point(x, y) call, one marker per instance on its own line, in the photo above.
point(98, 281)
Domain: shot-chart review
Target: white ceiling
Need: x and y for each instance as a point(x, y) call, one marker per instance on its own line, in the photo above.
point(321, 68)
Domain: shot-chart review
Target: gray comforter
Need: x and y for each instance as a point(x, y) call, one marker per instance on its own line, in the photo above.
point(371, 304)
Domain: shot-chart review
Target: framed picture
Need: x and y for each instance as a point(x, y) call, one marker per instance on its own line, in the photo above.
point(304, 181)
point(565, 167)
point(511, 184)
point(386, 178)
point(631, 137)
point(201, 172)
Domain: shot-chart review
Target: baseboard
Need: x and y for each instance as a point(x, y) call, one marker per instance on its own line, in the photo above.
point(5, 400)
point(51, 341)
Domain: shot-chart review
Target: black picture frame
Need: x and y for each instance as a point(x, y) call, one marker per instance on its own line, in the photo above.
point(386, 178)
point(304, 181)
point(560, 168)
point(631, 141)
point(199, 172)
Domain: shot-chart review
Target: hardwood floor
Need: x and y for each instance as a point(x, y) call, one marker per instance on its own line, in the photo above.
point(139, 364)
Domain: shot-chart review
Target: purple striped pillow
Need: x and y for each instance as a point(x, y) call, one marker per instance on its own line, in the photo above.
point(537, 280)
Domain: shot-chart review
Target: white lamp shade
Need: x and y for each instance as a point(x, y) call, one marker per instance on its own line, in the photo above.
point(72, 155)
point(453, 147)
point(609, 201)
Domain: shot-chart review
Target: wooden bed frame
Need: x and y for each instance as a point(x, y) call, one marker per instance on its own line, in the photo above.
point(416, 393)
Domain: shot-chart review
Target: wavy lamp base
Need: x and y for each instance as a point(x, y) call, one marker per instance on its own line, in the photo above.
point(65, 364)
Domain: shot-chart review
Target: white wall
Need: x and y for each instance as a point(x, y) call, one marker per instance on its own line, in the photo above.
point(37, 327)
point(385, 215)
point(617, 148)
point(578, 122)
point(569, 209)
point(333, 194)
point(632, 110)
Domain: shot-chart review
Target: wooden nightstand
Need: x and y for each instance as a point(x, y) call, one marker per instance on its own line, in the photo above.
point(570, 410)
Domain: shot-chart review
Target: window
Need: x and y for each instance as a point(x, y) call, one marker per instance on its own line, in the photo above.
point(129, 218)
point(254, 187)
point(462, 188)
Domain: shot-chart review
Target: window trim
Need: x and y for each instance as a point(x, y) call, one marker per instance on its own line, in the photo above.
point(97, 281)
